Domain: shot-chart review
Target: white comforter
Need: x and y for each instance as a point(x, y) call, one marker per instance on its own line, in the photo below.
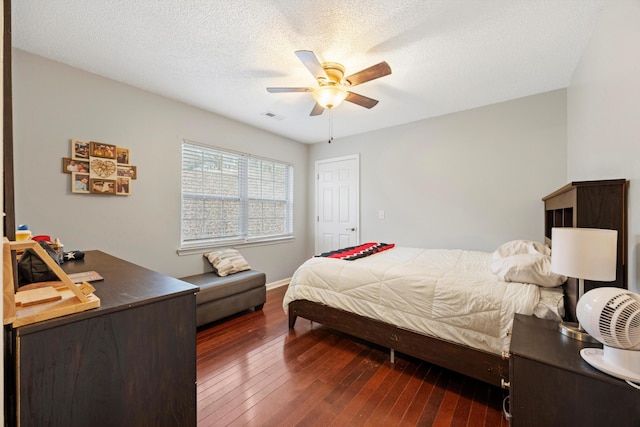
point(450, 294)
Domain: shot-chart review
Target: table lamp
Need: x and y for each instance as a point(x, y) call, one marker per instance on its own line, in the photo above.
point(583, 253)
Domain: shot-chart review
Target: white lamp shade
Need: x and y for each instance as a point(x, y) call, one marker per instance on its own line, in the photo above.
point(584, 253)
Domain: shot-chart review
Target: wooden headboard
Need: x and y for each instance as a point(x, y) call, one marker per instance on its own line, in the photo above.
point(590, 204)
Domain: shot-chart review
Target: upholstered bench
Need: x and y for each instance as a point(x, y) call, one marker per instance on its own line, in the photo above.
point(220, 297)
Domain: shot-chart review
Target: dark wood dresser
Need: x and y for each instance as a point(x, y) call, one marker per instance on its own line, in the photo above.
point(552, 386)
point(130, 362)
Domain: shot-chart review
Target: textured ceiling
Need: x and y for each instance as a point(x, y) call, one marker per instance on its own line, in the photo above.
point(446, 55)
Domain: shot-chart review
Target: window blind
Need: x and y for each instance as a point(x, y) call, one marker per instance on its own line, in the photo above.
point(230, 197)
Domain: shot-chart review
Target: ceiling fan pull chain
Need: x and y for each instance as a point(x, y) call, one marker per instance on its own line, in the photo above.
point(330, 125)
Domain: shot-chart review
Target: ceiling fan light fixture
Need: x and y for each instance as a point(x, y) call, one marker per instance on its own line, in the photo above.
point(333, 84)
point(329, 96)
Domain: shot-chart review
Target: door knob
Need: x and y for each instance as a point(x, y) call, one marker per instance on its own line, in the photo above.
point(351, 229)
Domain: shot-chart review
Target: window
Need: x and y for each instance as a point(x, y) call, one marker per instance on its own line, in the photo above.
point(231, 198)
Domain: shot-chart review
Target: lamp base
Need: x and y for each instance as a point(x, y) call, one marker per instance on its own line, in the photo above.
point(575, 331)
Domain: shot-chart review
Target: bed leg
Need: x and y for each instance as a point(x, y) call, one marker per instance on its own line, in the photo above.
point(392, 354)
point(292, 318)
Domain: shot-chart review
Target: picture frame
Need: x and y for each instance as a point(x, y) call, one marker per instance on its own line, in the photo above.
point(80, 182)
point(100, 149)
point(127, 171)
point(102, 186)
point(99, 168)
point(80, 149)
point(123, 186)
point(70, 165)
point(122, 155)
point(103, 168)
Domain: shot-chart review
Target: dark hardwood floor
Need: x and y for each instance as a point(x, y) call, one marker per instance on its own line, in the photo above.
point(252, 370)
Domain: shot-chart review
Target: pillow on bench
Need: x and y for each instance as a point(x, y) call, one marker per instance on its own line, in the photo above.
point(227, 261)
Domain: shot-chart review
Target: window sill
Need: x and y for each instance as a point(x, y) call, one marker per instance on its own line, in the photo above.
point(203, 248)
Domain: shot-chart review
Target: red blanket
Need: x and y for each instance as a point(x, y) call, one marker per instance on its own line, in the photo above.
point(356, 252)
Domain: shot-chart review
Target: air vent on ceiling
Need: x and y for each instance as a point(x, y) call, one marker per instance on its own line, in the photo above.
point(273, 115)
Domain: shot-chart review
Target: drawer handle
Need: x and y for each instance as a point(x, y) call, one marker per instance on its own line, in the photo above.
point(506, 409)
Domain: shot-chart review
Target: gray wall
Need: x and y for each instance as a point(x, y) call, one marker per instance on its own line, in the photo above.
point(604, 112)
point(469, 180)
point(54, 103)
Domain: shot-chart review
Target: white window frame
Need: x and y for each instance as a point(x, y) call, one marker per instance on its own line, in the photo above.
point(204, 243)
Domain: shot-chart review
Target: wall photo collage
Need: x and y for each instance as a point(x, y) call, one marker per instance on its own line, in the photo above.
point(99, 168)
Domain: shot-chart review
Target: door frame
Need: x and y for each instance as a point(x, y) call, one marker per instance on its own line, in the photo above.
point(316, 211)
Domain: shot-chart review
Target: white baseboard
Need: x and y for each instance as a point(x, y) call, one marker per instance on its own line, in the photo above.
point(283, 282)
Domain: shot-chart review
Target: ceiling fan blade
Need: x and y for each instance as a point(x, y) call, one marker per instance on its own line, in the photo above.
point(374, 72)
point(317, 110)
point(310, 60)
point(289, 89)
point(361, 100)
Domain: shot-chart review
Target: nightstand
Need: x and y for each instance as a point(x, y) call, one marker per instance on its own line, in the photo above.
point(552, 386)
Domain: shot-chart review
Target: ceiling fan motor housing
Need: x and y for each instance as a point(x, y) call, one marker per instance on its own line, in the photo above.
point(334, 71)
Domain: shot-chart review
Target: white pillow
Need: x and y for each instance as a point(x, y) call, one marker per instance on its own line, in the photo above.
point(517, 247)
point(227, 261)
point(527, 268)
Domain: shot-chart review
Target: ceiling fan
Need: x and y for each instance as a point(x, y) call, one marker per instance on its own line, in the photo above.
point(332, 85)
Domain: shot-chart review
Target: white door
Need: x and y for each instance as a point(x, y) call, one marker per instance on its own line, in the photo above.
point(337, 203)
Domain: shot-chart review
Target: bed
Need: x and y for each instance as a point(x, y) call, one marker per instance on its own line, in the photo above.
point(453, 308)
point(595, 204)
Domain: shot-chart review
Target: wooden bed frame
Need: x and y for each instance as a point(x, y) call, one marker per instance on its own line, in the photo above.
point(478, 364)
point(482, 365)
